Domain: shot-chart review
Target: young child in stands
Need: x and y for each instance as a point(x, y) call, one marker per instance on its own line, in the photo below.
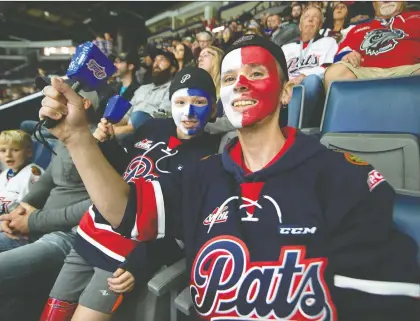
point(19, 173)
point(104, 265)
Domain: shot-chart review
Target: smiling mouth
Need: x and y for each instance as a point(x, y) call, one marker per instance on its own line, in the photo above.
point(244, 104)
point(190, 123)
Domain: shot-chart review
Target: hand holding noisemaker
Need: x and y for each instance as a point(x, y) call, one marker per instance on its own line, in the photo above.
point(89, 68)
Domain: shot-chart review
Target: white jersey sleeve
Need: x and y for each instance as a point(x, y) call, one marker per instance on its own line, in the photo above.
point(14, 189)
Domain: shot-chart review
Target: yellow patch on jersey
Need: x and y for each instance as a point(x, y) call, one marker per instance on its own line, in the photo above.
point(36, 171)
point(353, 159)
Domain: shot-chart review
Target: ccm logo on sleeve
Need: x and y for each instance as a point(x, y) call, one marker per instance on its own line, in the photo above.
point(374, 179)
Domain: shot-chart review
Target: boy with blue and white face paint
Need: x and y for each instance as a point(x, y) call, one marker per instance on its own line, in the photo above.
point(192, 98)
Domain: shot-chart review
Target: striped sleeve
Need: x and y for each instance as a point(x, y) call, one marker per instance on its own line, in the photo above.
point(150, 209)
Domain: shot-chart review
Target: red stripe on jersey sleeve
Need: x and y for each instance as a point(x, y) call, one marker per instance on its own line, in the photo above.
point(147, 215)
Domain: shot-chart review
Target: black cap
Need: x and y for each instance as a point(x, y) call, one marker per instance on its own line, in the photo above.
point(169, 55)
point(254, 40)
point(193, 78)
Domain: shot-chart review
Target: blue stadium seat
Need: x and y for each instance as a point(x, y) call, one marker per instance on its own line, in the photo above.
point(407, 214)
point(295, 107)
point(375, 105)
point(379, 121)
point(42, 155)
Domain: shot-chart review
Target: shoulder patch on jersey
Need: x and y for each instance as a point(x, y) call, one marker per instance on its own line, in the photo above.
point(374, 179)
point(353, 159)
point(36, 171)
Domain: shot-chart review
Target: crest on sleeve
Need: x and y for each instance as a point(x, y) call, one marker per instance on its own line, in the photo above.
point(35, 171)
point(353, 159)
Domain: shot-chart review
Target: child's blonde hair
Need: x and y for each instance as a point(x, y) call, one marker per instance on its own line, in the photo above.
point(16, 138)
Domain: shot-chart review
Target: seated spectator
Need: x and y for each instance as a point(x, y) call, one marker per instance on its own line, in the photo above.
point(20, 174)
point(388, 46)
point(151, 100)
point(126, 64)
point(46, 216)
point(337, 23)
point(227, 38)
point(105, 43)
point(209, 60)
point(144, 74)
point(253, 28)
point(205, 39)
point(183, 56)
point(99, 252)
point(286, 32)
point(307, 59)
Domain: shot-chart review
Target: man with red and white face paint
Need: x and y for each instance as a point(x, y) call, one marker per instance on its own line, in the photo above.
point(251, 85)
point(278, 227)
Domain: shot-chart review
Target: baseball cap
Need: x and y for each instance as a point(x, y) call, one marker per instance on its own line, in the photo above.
point(193, 78)
point(169, 55)
point(41, 82)
point(254, 40)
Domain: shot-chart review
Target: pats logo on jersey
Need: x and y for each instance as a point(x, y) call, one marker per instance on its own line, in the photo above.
point(140, 166)
point(144, 144)
point(226, 285)
point(379, 41)
point(295, 64)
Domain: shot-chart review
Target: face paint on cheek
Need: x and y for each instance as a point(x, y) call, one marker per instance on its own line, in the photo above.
point(265, 92)
point(201, 113)
point(189, 111)
point(232, 61)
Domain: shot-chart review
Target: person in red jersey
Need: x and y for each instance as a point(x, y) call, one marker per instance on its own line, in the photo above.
point(386, 46)
point(277, 227)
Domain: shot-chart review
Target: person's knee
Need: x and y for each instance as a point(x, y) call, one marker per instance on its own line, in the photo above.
point(416, 73)
point(337, 72)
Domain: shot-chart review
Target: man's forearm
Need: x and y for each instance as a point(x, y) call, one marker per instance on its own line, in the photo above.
point(107, 189)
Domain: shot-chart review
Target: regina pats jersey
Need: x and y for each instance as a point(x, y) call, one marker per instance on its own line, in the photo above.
point(310, 58)
point(13, 187)
point(385, 44)
point(154, 151)
point(308, 237)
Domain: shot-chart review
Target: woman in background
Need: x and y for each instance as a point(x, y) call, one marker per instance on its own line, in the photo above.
point(337, 23)
point(210, 60)
point(184, 56)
